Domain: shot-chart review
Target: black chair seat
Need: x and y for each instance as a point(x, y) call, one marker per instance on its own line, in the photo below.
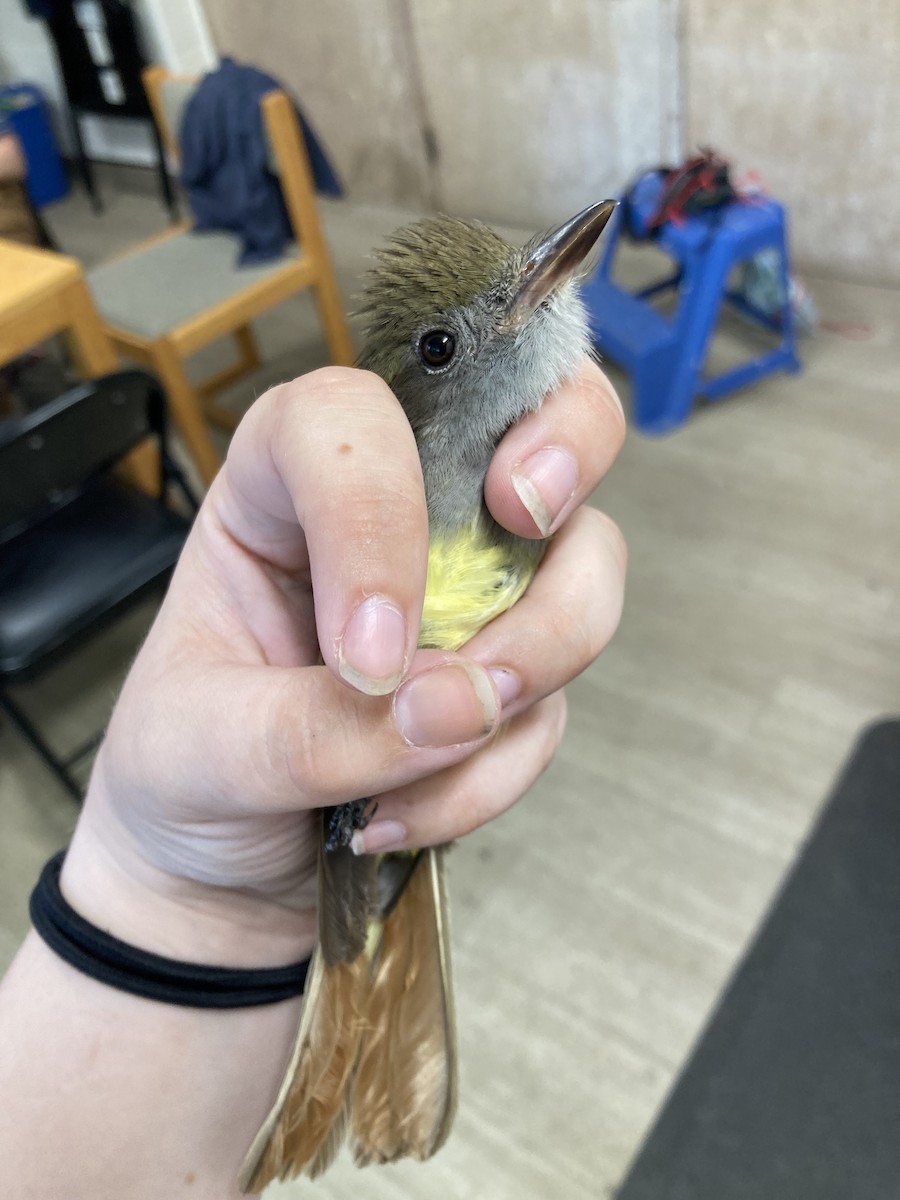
point(77, 545)
point(79, 565)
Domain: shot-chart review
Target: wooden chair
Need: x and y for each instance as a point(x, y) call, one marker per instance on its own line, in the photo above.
point(168, 297)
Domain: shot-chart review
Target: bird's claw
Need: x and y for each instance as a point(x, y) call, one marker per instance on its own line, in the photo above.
point(344, 820)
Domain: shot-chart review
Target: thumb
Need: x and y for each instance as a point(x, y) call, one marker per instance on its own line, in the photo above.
point(250, 740)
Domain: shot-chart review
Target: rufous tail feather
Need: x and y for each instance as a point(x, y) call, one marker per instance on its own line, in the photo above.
point(376, 1048)
point(404, 1096)
point(307, 1123)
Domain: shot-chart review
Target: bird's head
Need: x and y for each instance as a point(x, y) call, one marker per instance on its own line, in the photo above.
point(470, 331)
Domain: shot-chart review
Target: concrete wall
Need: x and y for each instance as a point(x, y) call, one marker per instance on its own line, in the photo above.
point(808, 94)
point(525, 112)
point(491, 107)
point(352, 66)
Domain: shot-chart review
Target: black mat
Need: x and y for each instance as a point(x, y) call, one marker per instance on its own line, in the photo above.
point(793, 1092)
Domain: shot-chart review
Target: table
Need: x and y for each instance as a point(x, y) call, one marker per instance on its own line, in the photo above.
point(43, 293)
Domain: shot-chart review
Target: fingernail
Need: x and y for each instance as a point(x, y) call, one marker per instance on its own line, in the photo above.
point(545, 483)
point(446, 706)
point(507, 683)
point(372, 652)
point(380, 835)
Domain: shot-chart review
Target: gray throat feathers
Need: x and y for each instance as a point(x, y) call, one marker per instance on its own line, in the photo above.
point(454, 470)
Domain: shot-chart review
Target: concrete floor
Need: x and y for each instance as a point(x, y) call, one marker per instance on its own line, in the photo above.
point(595, 925)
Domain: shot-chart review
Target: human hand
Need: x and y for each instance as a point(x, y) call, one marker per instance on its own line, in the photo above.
point(258, 698)
point(12, 160)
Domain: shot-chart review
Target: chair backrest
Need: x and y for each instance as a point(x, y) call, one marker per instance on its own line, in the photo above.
point(50, 456)
point(169, 95)
point(174, 93)
point(287, 158)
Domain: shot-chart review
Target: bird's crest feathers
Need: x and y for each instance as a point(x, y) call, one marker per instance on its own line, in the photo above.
point(425, 270)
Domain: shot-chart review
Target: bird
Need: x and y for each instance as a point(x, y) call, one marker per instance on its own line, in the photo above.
point(470, 332)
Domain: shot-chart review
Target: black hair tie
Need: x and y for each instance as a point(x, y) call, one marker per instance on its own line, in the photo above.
point(104, 957)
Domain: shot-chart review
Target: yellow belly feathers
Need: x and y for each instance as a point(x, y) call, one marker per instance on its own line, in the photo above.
point(470, 581)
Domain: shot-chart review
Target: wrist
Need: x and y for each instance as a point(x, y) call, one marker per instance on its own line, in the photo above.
point(113, 885)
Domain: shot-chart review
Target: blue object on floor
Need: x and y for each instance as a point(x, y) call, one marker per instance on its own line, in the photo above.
point(665, 355)
point(25, 110)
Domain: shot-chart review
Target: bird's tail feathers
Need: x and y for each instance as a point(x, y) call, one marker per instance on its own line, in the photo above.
point(375, 1054)
point(404, 1097)
point(307, 1124)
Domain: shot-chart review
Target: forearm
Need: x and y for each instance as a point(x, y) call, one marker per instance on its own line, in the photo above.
point(107, 1094)
point(104, 1094)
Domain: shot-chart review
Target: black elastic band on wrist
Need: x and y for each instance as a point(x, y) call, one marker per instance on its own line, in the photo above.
point(129, 969)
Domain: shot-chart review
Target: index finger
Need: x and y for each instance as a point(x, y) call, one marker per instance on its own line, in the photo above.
point(323, 471)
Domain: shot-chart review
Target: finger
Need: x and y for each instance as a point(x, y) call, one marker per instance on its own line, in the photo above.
point(566, 617)
point(464, 797)
point(551, 460)
point(285, 739)
point(326, 467)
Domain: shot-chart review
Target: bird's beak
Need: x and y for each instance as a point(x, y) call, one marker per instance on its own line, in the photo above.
point(555, 259)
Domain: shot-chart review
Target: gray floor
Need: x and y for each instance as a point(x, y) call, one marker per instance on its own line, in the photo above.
point(595, 925)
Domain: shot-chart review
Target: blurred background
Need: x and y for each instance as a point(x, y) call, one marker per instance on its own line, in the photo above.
point(596, 926)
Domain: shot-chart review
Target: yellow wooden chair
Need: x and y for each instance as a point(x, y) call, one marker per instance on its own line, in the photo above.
point(168, 297)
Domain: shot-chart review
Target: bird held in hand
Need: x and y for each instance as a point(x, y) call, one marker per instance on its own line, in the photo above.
point(471, 333)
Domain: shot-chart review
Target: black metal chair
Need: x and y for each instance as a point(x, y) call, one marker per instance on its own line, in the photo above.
point(100, 56)
point(78, 544)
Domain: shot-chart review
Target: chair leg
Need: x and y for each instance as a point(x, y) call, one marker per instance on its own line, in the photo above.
point(83, 163)
point(186, 409)
point(56, 765)
point(248, 360)
point(248, 346)
point(788, 330)
point(165, 182)
point(334, 322)
point(223, 418)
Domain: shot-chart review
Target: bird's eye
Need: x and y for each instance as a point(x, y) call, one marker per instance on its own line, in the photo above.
point(436, 348)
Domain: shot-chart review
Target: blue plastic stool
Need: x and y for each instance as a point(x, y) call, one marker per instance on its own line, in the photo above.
point(665, 356)
point(24, 108)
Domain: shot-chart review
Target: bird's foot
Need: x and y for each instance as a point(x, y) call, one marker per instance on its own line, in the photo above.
point(344, 820)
